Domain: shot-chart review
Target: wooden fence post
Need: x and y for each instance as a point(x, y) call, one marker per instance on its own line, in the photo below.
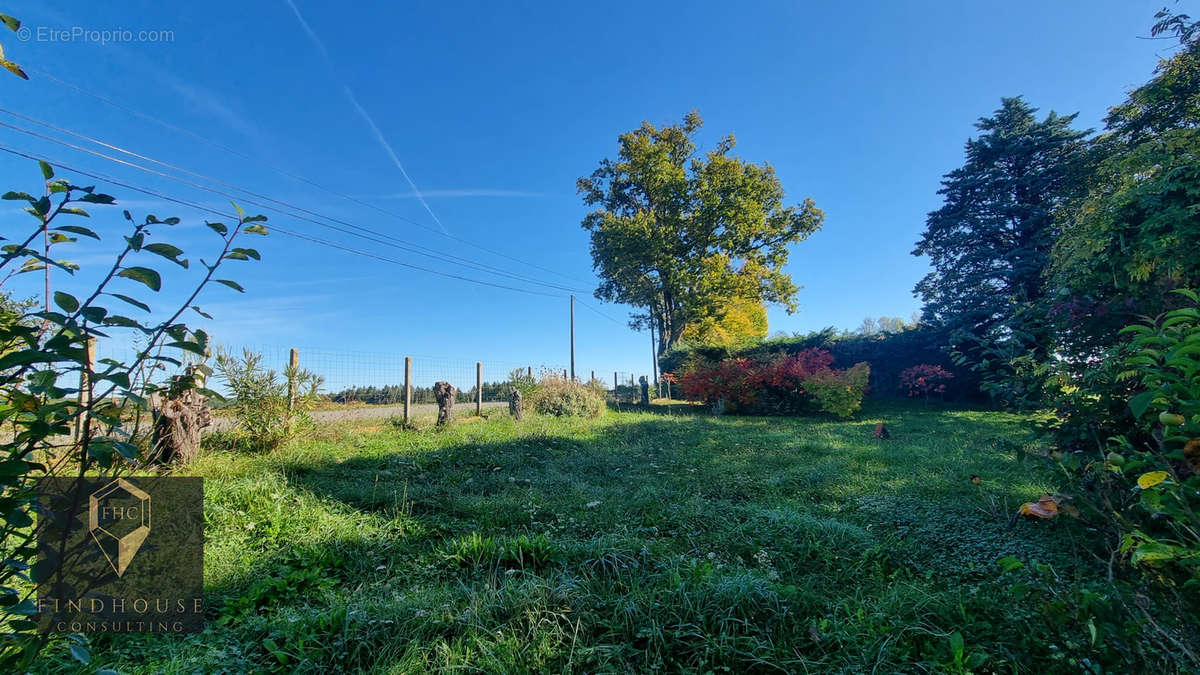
point(407, 388)
point(85, 387)
point(478, 388)
point(294, 362)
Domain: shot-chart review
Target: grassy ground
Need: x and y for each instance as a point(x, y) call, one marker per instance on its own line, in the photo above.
point(637, 542)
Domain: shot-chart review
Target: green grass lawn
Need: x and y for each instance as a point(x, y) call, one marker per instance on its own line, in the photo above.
point(636, 542)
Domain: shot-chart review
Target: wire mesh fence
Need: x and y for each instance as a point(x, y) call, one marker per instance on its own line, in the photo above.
point(378, 377)
point(365, 377)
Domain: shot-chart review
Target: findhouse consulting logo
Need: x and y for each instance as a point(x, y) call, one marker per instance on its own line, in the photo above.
point(121, 556)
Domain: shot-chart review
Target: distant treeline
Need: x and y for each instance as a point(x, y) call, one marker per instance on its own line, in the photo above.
point(394, 393)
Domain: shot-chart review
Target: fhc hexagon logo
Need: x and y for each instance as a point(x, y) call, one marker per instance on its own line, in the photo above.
point(120, 555)
point(119, 522)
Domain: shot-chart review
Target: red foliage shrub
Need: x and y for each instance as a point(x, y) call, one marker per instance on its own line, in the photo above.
point(924, 379)
point(782, 385)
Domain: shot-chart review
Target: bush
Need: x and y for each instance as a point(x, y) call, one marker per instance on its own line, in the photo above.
point(561, 397)
point(260, 399)
point(1163, 530)
point(889, 354)
point(839, 392)
point(524, 382)
point(924, 379)
point(780, 385)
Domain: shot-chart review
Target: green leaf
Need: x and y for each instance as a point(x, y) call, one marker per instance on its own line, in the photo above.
point(192, 347)
point(119, 378)
point(81, 654)
point(27, 357)
point(1138, 404)
point(143, 274)
point(123, 321)
point(202, 312)
point(232, 284)
point(96, 198)
point(19, 196)
point(167, 251)
point(102, 451)
point(12, 23)
point(957, 645)
point(255, 229)
point(1153, 552)
point(1009, 563)
point(18, 518)
point(66, 301)
point(94, 314)
point(219, 228)
point(75, 212)
point(248, 252)
point(127, 450)
point(135, 303)
point(47, 170)
point(75, 229)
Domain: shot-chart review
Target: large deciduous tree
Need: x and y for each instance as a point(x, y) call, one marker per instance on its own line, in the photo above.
point(989, 243)
point(678, 234)
point(738, 322)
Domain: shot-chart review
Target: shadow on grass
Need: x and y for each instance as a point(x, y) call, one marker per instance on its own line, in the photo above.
point(658, 539)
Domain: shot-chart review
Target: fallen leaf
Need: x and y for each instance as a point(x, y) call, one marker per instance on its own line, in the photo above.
point(1046, 507)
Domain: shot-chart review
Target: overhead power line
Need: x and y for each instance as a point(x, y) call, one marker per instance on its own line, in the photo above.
point(283, 208)
point(290, 174)
point(597, 311)
point(276, 228)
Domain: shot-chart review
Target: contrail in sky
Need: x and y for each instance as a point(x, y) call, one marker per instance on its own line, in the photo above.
point(364, 115)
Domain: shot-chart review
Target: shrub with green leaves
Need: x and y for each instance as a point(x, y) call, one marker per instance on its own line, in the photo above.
point(839, 392)
point(562, 397)
point(1163, 529)
point(269, 410)
point(62, 414)
point(524, 381)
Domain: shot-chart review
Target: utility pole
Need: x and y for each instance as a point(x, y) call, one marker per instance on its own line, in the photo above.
point(572, 337)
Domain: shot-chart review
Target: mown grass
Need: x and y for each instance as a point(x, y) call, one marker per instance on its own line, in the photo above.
point(636, 542)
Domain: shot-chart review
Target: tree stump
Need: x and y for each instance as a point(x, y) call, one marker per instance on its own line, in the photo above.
point(645, 390)
point(881, 432)
point(444, 393)
point(178, 423)
point(514, 403)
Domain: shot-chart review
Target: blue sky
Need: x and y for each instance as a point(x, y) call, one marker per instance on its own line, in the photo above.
point(495, 109)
